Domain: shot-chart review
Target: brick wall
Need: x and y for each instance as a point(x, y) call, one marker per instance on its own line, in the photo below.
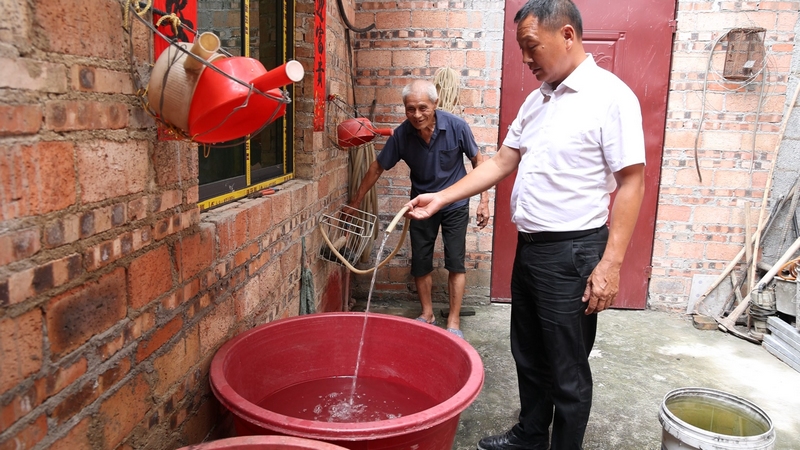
point(701, 224)
point(411, 40)
point(115, 291)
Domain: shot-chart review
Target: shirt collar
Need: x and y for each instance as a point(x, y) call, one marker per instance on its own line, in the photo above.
point(575, 80)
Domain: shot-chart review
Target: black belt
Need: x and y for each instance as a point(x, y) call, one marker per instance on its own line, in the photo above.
point(557, 236)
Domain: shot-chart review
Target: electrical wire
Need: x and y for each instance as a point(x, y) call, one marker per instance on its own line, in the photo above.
point(762, 72)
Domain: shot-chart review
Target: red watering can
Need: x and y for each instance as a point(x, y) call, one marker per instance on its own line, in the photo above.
point(354, 132)
point(223, 109)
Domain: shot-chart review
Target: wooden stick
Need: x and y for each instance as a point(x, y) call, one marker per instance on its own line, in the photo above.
point(748, 242)
point(728, 323)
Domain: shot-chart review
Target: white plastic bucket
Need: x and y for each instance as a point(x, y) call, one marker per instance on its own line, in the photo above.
point(707, 419)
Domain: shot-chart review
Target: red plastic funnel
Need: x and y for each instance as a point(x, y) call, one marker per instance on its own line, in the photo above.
point(223, 109)
point(353, 132)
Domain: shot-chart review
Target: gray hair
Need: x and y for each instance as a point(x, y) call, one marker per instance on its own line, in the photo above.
point(421, 86)
point(552, 14)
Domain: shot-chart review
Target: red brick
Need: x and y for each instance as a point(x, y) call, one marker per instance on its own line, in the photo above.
point(62, 231)
point(107, 252)
point(61, 115)
point(108, 169)
point(33, 75)
point(42, 389)
point(90, 391)
point(231, 230)
point(20, 348)
point(97, 79)
point(37, 179)
point(27, 283)
point(149, 276)
point(18, 245)
point(28, 437)
point(137, 209)
point(77, 315)
point(20, 119)
point(120, 413)
point(245, 254)
point(195, 252)
point(174, 162)
point(176, 363)
point(77, 438)
point(68, 27)
point(162, 335)
point(54, 383)
point(214, 327)
point(17, 407)
point(674, 213)
point(259, 218)
point(409, 58)
point(167, 200)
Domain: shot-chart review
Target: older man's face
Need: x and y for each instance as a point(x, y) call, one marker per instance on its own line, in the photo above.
point(419, 110)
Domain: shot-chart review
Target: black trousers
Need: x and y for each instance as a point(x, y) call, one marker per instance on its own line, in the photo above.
point(551, 337)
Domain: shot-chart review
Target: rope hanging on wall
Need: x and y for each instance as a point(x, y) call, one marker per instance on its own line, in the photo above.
point(446, 81)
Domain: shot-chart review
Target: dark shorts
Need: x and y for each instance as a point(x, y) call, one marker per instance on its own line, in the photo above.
point(423, 238)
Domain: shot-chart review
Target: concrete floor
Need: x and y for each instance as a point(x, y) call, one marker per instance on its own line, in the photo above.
point(639, 357)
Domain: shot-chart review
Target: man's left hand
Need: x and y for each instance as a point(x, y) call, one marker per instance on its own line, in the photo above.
point(602, 287)
point(483, 215)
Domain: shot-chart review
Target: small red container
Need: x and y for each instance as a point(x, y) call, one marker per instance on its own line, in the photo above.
point(286, 352)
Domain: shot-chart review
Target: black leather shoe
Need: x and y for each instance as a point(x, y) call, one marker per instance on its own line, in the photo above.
point(507, 441)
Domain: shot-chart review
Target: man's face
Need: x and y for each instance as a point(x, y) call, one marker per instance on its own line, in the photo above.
point(543, 51)
point(419, 110)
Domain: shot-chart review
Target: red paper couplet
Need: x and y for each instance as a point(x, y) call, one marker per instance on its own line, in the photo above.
point(320, 7)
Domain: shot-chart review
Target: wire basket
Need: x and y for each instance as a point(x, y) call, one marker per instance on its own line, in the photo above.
point(348, 232)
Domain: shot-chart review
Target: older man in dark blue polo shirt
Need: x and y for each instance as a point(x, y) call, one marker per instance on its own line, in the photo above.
point(432, 143)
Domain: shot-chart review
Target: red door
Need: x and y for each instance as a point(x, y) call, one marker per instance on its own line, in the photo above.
point(633, 39)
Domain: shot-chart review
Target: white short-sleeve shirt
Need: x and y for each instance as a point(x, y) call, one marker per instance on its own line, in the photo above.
point(571, 141)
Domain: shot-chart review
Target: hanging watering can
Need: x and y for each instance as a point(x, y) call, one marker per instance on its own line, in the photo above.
point(222, 109)
point(354, 132)
point(175, 75)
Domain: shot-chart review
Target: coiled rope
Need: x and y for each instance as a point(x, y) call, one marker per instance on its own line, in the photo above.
point(446, 81)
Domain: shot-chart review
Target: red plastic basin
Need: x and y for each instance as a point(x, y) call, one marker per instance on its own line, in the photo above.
point(263, 443)
point(286, 352)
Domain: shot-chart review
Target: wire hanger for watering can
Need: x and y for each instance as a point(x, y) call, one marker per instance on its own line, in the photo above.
point(235, 99)
point(346, 238)
point(354, 130)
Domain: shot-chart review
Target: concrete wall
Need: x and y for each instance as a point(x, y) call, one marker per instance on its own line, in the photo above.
point(115, 291)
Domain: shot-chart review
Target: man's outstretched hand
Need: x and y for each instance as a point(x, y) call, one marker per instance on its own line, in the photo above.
point(424, 206)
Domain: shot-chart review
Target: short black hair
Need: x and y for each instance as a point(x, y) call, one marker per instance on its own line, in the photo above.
point(552, 14)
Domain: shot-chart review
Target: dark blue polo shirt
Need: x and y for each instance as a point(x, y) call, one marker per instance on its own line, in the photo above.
point(436, 165)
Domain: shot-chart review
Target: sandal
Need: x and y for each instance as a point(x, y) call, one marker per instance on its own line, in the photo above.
point(457, 332)
point(422, 319)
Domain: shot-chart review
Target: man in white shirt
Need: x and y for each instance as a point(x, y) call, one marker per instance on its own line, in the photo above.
point(574, 141)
